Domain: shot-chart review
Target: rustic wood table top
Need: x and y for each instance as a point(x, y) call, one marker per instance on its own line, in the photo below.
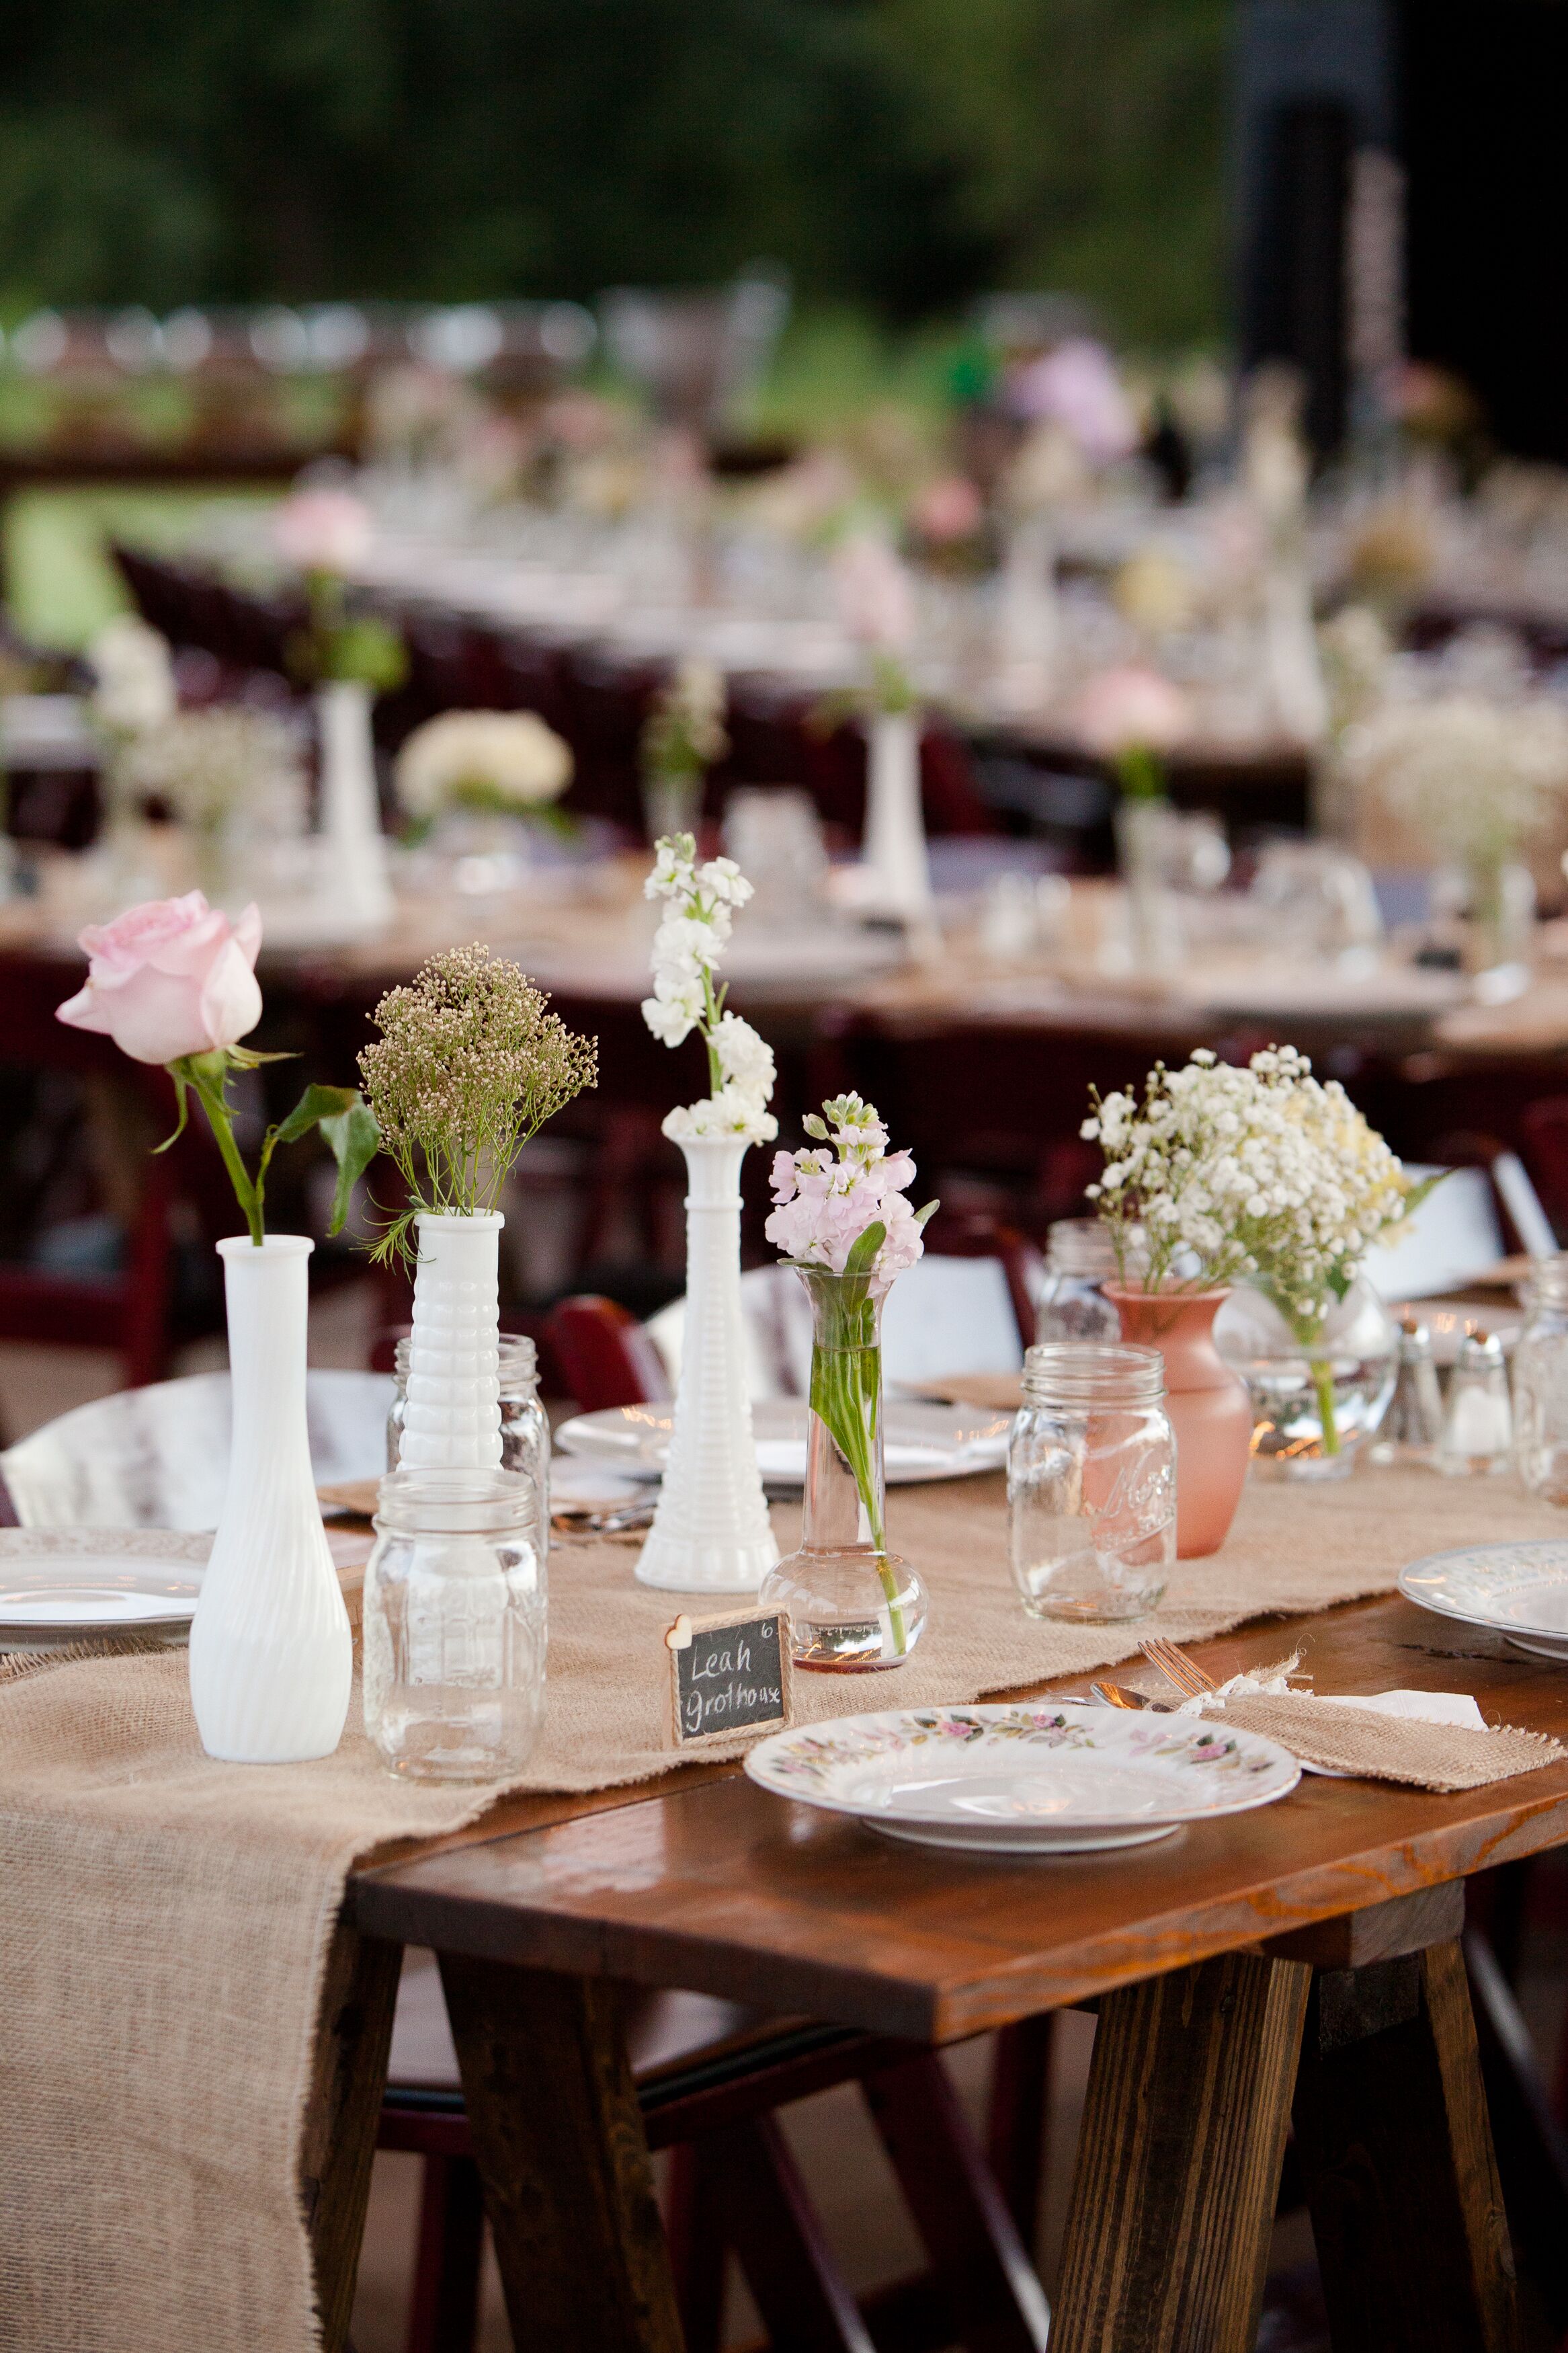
point(724, 1888)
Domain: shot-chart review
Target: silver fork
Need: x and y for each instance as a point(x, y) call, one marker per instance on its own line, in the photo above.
point(1189, 1678)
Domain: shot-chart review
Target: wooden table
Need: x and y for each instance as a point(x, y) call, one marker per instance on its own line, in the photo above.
point(1302, 1959)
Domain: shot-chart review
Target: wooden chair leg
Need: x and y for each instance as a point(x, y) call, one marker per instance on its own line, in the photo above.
point(353, 2038)
point(444, 2309)
point(693, 2226)
point(1178, 2164)
point(558, 2135)
point(1532, 2145)
point(986, 2279)
point(1397, 2152)
point(773, 2229)
point(1019, 2114)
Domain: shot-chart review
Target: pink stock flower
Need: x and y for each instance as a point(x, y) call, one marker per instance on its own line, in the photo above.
point(1131, 706)
point(322, 531)
point(876, 603)
point(824, 1205)
point(1077, 388)
point(171, 977)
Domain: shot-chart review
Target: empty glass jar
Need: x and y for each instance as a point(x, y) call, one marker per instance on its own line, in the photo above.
point(1079, 1261)
point(1541, 1384)
point(525, 1424)
point(1091, 1482)
point(455, 1624)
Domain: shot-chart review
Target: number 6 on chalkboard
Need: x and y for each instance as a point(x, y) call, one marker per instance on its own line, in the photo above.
point(726, 1674)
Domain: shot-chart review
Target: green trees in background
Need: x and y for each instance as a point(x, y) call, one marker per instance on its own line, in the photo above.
point(899, 152)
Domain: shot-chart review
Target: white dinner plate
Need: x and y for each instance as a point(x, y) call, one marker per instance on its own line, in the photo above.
point(1034, 1777)
point(920, 1441)
point(66, 1585)
point(1519, 1591)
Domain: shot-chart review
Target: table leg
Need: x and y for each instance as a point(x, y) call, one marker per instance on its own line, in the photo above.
point(1396, 2154)
point(358, 2000)
point(559, 2139)
point(1178, 2163)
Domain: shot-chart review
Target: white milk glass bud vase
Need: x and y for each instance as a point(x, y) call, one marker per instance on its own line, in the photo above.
point(451, 1419)
point(894, 844)
point(356, 877)
point(271, 1656)
point(710, 1532)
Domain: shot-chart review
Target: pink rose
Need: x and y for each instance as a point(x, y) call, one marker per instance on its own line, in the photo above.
point(950, 508)
point(171, 977)
point(322, 531)
point(1118, 710)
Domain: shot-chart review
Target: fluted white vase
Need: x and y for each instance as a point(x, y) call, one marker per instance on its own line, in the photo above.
point(271, 1656)
point(451, 1419)
point(710, 1532)
point(356, 878)
point(894, 843)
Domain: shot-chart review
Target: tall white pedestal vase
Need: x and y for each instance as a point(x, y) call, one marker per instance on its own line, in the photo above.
point(356, 869)
point(710, 1532)
point(452, 1417)
point(271, 1657)
point(894, 844)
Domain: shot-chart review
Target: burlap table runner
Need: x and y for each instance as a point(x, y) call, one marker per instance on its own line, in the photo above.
point(166, 1918)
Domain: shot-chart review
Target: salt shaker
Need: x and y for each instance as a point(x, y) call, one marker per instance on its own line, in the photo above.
point(1412, 1428)
point(1478, 1426)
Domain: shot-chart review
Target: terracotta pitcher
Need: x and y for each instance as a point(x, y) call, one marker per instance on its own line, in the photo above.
point(1209, 1407)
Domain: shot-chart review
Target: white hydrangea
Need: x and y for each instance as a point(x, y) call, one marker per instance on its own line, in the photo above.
point(687, 946)
point(1264, 1172)
point(506, 761)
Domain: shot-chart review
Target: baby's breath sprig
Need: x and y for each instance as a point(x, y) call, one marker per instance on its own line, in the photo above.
point(469, 1064)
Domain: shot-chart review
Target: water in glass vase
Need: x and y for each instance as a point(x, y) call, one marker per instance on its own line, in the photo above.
point(853, 1606)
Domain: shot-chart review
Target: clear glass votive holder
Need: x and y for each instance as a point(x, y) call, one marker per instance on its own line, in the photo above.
point(1091, 1482)
point(525, 1424)
point(455, 1625)
point(1541, 1383)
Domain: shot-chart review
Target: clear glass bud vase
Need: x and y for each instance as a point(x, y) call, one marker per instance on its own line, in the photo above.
point(852, 1605)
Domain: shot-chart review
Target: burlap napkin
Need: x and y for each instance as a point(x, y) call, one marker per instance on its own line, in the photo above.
point(1368, 1745)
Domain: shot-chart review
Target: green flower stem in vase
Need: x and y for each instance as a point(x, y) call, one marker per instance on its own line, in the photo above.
point(1323, 1374)
point(852, 1605)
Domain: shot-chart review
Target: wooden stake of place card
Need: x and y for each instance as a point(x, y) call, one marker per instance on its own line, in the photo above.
point(727, 1674)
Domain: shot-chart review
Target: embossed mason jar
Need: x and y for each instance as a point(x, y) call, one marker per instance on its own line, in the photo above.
point(525, 1424)
point(1091, 1482)
point(1541, 1383)
point(455, 1624)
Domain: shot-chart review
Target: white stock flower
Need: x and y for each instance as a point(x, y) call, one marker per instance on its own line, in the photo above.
point(686, 949)
point(745, 1059)
point(135, 681)
point(734, 1111)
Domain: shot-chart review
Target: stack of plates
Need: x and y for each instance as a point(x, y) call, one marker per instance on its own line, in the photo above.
point(920, 1441)
point(1033, 1777)
point(60, 1586)
point(1520, 1590)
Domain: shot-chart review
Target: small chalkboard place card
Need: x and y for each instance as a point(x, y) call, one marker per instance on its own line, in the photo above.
point(726, 1674)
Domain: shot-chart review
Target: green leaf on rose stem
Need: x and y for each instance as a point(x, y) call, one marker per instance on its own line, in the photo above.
point(248, 1058)
point(355, 1139)
point(863, 1250)
point(182, 1098)
point(316, 1104)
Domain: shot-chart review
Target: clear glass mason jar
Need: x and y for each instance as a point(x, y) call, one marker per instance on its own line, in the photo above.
point(1091, 1482)
point(525, 1424)
point(1079, 1261)
point(1541, 1383)
point(853, 1606)
point(455, 1624)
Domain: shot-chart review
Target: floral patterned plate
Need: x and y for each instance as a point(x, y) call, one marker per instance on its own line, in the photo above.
point(922, 1440)
point(1033, 1777)
point(1520, 1590)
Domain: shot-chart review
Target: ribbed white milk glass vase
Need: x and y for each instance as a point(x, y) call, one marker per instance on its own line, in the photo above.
point(451, 1420)
point(358, 880)
point(271, 1657)
point(710, 1532)
point(894, 843)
